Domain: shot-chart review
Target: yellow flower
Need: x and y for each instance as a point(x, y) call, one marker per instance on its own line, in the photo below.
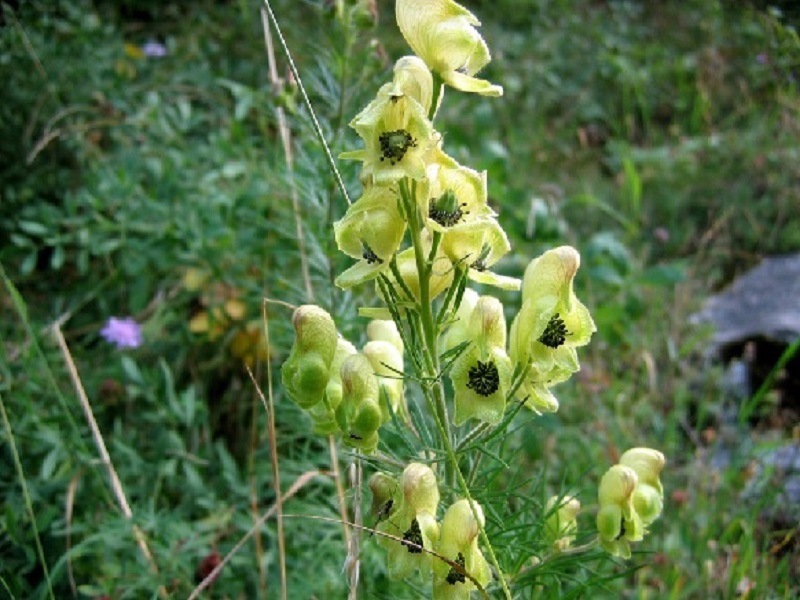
point(648, 497)
point(397, 135)
point(482, 373)
point(455, 205)
point(442, 33)
point(549, 327)
point(371, 230)
point(617, 520)
point(412, 517)
point(459, 543)
point(306, 372)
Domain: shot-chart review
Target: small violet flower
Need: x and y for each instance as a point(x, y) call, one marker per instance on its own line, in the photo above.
point(123, 333)
point(153, 49)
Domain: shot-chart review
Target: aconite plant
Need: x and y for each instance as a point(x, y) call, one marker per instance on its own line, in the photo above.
point(421, 232)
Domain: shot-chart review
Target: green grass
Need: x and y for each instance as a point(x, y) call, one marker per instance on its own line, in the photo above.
point(660, 141)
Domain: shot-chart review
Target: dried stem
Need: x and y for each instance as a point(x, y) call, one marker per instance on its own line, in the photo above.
point(99, 442)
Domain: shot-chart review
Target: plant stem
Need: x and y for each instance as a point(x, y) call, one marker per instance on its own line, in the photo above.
point(434, 390)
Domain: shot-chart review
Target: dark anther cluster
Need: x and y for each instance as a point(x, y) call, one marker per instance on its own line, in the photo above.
point(483, 378)
point(413, 536)
point(455, 576)
point(369, 255)
point(444, 217)
point(555, 333)
point(395, 144)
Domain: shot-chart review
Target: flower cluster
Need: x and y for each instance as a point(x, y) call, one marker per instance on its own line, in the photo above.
point(631, 498)
point(421, 230)
point(407, 513)
point(343, 390)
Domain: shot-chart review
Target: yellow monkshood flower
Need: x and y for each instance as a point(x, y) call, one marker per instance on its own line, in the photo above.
point(617, 520)
point(371, 230)
point(324, 413)
point(482, 373)
point(359, 413)
point(648, 497)
point(443, 34)
point(454, 201)
point(397, 135)
point(306, 372)
point(412, 518)
point(459, 543)
point(549, 327)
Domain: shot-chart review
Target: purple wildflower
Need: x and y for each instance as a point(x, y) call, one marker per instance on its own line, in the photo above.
point(153, 49)
point(124, 333)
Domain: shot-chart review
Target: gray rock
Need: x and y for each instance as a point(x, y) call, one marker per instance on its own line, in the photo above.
point(765, 302)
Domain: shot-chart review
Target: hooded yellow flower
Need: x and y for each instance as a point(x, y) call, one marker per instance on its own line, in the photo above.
point(397, 134)
point(648, 497)
point(549, 327)
point(306, 372)
point(617, 520)
point(371, 230)
point(455, 205)
point(412, 517)
point(459, 543)
point(359, 413)
point(482, 373)
point(443, 34)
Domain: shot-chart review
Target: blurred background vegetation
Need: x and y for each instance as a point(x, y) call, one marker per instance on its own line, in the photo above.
point(143, 174)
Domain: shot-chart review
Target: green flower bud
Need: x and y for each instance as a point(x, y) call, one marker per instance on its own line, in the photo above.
point(618, 523)
point(459, 543)
point(359, 414)
point(306, 372)
point(648, 497)
point(561, 525)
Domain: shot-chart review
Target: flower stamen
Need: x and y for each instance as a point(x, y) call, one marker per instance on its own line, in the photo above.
point(455, 576)
point(446, 210)
point(555, 334)
point(484, 378)
point(395, 144)
point(412, 539)
point(370, 256)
